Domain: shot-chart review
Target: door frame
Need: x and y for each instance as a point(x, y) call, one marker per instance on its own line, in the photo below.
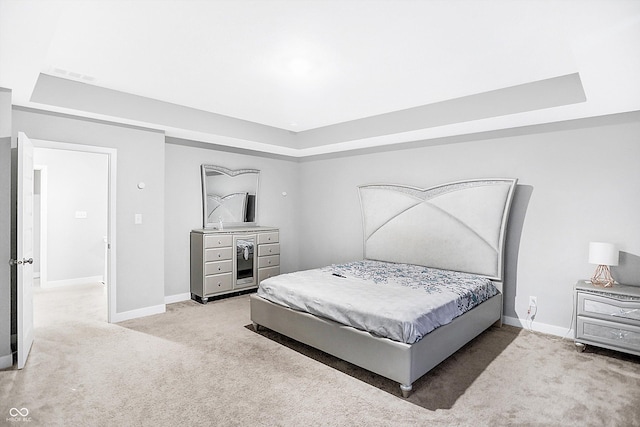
point(42, 255)
point(24, 248)
point(110, 280)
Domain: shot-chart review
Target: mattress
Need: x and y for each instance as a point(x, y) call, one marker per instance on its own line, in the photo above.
point(402, 302)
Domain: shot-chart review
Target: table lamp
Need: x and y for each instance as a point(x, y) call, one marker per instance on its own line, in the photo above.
point(604, 255)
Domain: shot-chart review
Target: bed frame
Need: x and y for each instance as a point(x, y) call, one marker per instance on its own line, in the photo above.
point(459, 226)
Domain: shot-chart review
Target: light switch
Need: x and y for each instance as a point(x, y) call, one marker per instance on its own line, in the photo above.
point(138, 219)
point(81, 214)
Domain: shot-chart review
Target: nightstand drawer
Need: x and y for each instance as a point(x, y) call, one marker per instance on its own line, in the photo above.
point(613, 334)
point(613, 308)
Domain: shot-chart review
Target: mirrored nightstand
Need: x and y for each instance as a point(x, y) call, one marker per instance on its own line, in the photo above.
point(607, 317)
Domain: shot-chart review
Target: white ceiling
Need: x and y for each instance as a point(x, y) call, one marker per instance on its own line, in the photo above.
point(317, 70)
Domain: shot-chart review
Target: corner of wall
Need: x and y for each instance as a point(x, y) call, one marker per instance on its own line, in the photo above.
point(6, 358)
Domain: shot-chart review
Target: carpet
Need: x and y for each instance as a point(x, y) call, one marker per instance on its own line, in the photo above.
point(529, 378)
point(198, 365)
point(439, 388)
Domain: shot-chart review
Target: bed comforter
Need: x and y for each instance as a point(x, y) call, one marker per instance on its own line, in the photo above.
point(401, 302)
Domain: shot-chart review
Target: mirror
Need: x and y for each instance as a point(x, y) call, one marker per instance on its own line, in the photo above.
point(229, 197)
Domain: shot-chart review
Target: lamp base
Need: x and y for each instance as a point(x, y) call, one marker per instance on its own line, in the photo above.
point(602, 277)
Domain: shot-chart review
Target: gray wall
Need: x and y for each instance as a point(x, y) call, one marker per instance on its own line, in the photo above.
point(153, 258)
point(183, 209)
point(140, 158)
point(579, 182)
point(5, 228)
point(76, 181)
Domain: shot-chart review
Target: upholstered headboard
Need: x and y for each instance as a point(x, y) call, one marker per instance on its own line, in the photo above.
point(459, 226)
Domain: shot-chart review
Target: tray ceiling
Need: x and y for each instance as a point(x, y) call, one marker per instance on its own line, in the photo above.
point(302, 78)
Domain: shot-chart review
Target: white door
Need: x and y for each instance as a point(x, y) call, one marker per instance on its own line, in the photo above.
point(24, 258)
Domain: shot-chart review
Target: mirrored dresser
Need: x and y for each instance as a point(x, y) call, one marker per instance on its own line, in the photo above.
point(232, 261)
point(608, 317)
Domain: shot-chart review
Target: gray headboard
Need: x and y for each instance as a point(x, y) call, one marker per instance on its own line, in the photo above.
point(459, 226)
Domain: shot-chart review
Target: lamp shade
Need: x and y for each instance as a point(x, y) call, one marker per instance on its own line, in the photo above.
point(603, 253)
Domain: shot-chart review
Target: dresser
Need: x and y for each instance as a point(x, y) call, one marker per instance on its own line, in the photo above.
point(233, 261)
point(608, 317)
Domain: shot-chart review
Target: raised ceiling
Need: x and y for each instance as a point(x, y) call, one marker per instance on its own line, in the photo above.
point(299, 78)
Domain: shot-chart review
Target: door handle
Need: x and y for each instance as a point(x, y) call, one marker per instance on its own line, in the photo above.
point(13, 262)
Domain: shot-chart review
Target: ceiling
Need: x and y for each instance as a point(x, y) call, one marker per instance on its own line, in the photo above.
point(300, 78)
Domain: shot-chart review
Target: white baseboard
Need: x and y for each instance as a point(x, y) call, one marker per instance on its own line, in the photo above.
point(177, 298)
point(6, 361)
point(140, 312)
point(70, 282)
point(538, 327)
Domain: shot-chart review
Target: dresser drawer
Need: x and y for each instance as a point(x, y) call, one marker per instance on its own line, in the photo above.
point(218, 240)
point(218, 254)
point(610, 333)
point(612, 308)
point(269, 261)
point(270, 249)
point(218, 267)
point(218, 283)
point(265, 273)
point(264, 238)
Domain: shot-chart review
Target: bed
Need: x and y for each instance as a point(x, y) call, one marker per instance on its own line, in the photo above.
point(458, 227)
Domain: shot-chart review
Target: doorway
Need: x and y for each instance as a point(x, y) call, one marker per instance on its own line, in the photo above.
point(76, 237)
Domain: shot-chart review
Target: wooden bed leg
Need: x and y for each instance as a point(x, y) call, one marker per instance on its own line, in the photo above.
point(406, 390)
point(256, 327)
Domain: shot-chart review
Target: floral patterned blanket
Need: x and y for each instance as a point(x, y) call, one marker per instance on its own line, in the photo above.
point(401, 302)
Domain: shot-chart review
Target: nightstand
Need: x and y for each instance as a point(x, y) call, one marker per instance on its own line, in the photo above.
point(608, 317)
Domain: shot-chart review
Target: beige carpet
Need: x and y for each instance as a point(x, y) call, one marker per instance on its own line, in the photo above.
point(201, 365)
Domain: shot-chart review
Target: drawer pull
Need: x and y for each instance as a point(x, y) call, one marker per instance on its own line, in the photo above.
point(619, 335)
point(219, 242)
point(622, 312)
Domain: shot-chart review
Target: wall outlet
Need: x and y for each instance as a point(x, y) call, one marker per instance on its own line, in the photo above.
point(533, 301)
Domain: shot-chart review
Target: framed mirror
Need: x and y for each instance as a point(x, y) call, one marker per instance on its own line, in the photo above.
point(229, 197)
